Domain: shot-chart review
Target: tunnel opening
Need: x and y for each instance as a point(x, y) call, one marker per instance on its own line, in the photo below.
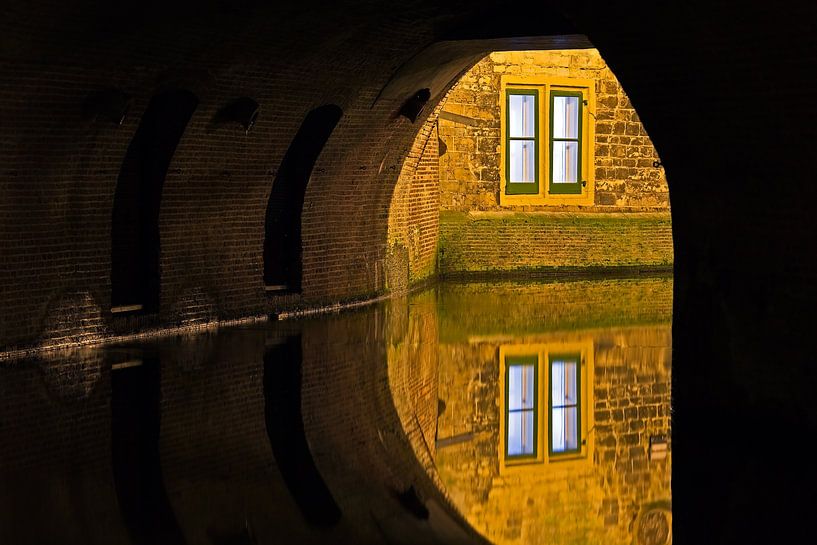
point(135, 236)
point(533, 185)
point(533, 163)
point(282, 228)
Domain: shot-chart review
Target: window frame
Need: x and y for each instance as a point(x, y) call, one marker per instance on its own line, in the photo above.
point(583, 192)
point(580, 346)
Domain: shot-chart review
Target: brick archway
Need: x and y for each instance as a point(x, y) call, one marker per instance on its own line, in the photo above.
point(725, 90)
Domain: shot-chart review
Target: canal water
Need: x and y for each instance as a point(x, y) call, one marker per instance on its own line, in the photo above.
point(502, 412)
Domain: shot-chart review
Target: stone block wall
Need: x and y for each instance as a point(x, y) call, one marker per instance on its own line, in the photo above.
point(531, 237)
point(625, 178)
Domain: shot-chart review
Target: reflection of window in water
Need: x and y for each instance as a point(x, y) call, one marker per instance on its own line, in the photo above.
point(565, 418)
point(521, 417)
point(555, 429)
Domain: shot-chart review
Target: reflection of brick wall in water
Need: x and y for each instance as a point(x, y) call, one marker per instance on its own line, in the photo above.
point(469, 382)
point(595, 504)
point(55, 444)
point(222, 480)
point(216, 457)
point(413, 364)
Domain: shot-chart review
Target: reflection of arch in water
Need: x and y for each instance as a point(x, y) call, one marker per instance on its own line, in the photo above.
point(282, 240)
point(285, 429)
point(374, 462)
point(135, 238)
point(137, 471)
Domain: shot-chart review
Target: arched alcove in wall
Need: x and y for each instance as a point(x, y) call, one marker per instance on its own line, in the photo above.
point(282, 228)
point(135, 238)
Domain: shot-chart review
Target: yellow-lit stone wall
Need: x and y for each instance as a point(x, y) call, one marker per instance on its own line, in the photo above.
point(446, 217)
point(474, 243)
point(627, 224)
point(625, 177)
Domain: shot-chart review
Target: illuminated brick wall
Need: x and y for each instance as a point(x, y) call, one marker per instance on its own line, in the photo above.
point(414, 214)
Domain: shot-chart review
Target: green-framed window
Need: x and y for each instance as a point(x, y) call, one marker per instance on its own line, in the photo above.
point(564, 404)
point(565, 142)
point(521, 417)
point(522, 142)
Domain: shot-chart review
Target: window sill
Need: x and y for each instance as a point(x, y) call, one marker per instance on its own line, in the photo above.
point(280, 290)
point(585, 199)
point(126, 309)
point(276, 288)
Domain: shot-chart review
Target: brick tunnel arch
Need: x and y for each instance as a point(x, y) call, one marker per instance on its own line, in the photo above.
point(700, 75)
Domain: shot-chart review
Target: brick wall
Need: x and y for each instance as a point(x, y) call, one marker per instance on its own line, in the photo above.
point(559, 242)
point(414, 213)
point(59, 171)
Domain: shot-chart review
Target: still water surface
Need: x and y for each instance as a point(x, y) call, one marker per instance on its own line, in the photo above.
point(507, 413)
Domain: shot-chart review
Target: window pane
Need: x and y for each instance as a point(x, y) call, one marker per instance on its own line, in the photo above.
point(564, 429)
point(521, 384)
point(563, 383)
point(565, 162)
point(565, 117)
point(521, 438)
point(521, 115)
point(522, 161)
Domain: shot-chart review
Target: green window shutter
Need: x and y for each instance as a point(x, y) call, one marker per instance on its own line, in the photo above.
point(522, 141)
point(564, 404)
point(565, 142)
point(521, 407)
